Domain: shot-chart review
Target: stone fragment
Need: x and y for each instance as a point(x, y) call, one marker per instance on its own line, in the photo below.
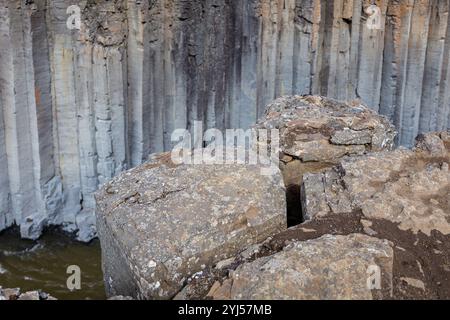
point(352, 137)
point(30, 295)
point(11, 294)
point(315, 128)
point(331, 267)
point(32, 227)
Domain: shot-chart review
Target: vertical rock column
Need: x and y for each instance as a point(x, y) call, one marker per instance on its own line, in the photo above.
point(45, 169)
point(65, 107)
point(6, 217)
point(26, 120)
point(435, 95)
point(416, 67)
point(107, 35)
point(138, 109)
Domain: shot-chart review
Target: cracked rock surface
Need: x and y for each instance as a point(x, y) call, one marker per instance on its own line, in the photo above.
point(411, 188)
point(317, 132)
point(319, 129)
point(386, 209)
point(331, 267)
point(161, 223)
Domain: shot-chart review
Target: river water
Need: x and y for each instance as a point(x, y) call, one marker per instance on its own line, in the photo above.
point(42, 264)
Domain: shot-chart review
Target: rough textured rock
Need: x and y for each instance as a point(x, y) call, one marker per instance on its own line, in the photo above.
point(402, 196)
point(16, 294)
point(79, 106)
point(319, 129)
point(317, 132)
point(399, 197)
point(411, 188)
point(331, 267)
point(160, 223)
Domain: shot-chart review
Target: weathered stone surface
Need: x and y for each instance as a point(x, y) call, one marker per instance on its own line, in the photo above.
point(318, 129)
point(32, 227)
point(160, 223)
point(411, 188)
point(331, 267)
point(400, 197)
point(420, 264)
point(316, 132)
point(16, 294)
point(80, 106)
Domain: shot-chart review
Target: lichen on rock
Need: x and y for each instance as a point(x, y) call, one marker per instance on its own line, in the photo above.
point(408, 187)
point(160, 223)
point(316, 133)
point(331, 267)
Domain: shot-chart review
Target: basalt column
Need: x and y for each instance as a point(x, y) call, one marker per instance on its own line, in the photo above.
point(79, 103)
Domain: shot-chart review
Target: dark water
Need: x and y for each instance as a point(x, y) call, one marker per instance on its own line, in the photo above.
point(43, 264)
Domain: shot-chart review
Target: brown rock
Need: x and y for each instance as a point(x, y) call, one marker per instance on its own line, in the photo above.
point(411, 188)
point(331, 267)
point(159, 224)
point(316, 133)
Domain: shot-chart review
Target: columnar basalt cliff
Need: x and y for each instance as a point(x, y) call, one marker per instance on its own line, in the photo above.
point(79, 106)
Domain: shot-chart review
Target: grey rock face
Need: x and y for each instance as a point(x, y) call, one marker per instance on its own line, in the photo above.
point(79, 106)
point(328, 268)
point(160, 223)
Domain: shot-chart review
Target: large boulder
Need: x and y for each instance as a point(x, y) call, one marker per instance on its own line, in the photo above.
point(331, 267)
point(317, 132)
point(161, 223)
point(408, 187)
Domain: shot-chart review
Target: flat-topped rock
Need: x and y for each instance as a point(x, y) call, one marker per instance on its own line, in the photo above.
point(161, 223)
point(331, 267)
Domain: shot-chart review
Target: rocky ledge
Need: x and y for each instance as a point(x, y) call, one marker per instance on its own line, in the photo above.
point(384, 214)
point(316, 133)
point(376, 222)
